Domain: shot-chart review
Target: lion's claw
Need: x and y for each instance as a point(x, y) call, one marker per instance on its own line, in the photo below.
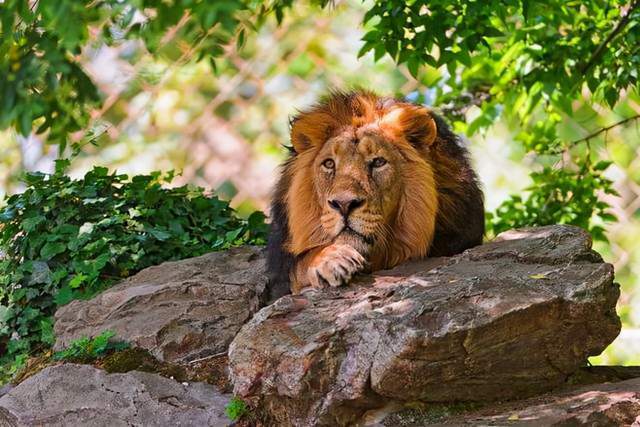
point(335, 265)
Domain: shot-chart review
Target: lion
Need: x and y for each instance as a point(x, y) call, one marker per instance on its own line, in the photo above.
point(370, 182)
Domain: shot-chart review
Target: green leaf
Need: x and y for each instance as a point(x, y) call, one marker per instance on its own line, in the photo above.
point(62, 165)
point(413, 64)
point(538, 276)
point(77, 280)
point(236, 409)
point(231, 236)
point(6, 313)
point(25, 123)
point(30, 224)
point(7, 215)
point(159, 234)
point(40, 273)
point(70, 238)
point(51, 249)
point(46, 331)
point(611, 95)
point(100, 343)
point(525, 10)
point(64, 296)
point(602, 165)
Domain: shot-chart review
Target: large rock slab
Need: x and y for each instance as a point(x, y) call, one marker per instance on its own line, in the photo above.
point(611, 404)
point(179, 311)
point(81, 395)
point(507, 319)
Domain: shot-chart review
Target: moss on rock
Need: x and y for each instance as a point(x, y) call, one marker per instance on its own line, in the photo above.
point(138, 359)
point(428, 413)
point(211, 370)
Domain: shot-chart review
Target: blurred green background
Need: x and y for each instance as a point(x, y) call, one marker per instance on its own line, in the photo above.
point(224, 130)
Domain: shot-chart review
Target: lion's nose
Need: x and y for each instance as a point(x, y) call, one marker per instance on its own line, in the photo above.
point(345, 205)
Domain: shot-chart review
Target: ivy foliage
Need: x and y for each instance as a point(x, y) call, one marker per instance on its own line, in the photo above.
point(532, 63)
point(64, 239)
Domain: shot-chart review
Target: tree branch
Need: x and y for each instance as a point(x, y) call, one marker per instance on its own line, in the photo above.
point(587, 138)
point(604, 129)
point(618, 28)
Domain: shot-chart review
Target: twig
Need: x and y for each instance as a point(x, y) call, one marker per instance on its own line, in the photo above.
point(31, 9)
point(213, 356)
point(604, 129)
point(590, 136)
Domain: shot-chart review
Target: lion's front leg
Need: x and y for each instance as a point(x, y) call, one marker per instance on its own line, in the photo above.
point(333, 265)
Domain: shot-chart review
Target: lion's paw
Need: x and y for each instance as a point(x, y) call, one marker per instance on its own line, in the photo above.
point(335, 265)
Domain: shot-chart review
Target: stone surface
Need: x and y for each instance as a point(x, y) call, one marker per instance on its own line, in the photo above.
point(179, 311)
point(80, 395)
point(507, 319)
point(612, 404)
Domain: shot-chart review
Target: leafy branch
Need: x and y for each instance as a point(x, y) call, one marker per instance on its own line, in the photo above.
point(622, 24)
point(521, 61)
point(44, 86)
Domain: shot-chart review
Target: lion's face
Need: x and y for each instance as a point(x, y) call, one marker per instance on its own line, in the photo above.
point(358, 182)
point(361, 176)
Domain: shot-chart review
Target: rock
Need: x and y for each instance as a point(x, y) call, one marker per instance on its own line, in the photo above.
point(616, 404)
point(179, 311)
point(507, 319)
point(5, 389)
point(80, 395)
point(603, 374)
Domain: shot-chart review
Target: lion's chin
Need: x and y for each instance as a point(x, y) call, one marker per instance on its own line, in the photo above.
point(355, 240)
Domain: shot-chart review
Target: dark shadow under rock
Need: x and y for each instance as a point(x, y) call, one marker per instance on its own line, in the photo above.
point(612, 404)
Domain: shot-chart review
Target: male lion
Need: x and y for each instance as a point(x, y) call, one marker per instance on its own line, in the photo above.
point(370, 182)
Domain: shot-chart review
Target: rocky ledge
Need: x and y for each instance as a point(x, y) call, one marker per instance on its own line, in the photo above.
point(608, 404)
point(508, 319)
point(179, 311)
point(512, 318)
point(80, 395)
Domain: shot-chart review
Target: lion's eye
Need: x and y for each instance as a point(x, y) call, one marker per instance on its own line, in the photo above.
point(329, 164)
point(378, 162)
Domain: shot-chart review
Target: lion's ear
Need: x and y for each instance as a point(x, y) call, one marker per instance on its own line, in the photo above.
point(414, 123)
point(300, 141)
point(309, 130)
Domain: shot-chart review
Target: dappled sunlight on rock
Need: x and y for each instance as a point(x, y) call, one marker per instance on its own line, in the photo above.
point(480, 326)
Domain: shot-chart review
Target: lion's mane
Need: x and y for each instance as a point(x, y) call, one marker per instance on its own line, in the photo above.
point(445, 173)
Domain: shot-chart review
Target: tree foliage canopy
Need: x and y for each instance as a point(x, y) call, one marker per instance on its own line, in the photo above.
point(531, 63)
point(534, 63)
point(48, 91)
